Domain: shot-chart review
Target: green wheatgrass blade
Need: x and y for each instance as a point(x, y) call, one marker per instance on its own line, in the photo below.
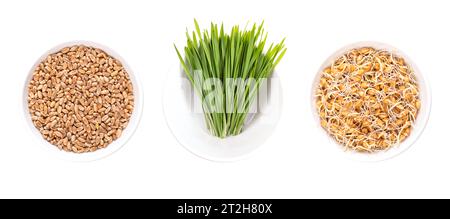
point(226, 71)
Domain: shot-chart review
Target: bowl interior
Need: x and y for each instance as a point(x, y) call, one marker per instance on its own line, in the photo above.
point(115, 145)
point(185, 119)
point(422, 116)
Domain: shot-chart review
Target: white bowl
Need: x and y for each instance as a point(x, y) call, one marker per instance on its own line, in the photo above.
point(421, 120)
point(188, 126)
point(115, 145)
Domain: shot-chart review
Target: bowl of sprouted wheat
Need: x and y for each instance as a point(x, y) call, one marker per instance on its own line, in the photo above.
point(371, 100)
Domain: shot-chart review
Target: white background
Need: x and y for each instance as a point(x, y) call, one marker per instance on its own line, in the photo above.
point(295, 162)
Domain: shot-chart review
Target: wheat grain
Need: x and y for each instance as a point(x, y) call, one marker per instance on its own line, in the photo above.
point(73, 99)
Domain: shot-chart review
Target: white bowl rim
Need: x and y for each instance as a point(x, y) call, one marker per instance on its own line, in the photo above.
point(423, 115)
point(115, 145)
